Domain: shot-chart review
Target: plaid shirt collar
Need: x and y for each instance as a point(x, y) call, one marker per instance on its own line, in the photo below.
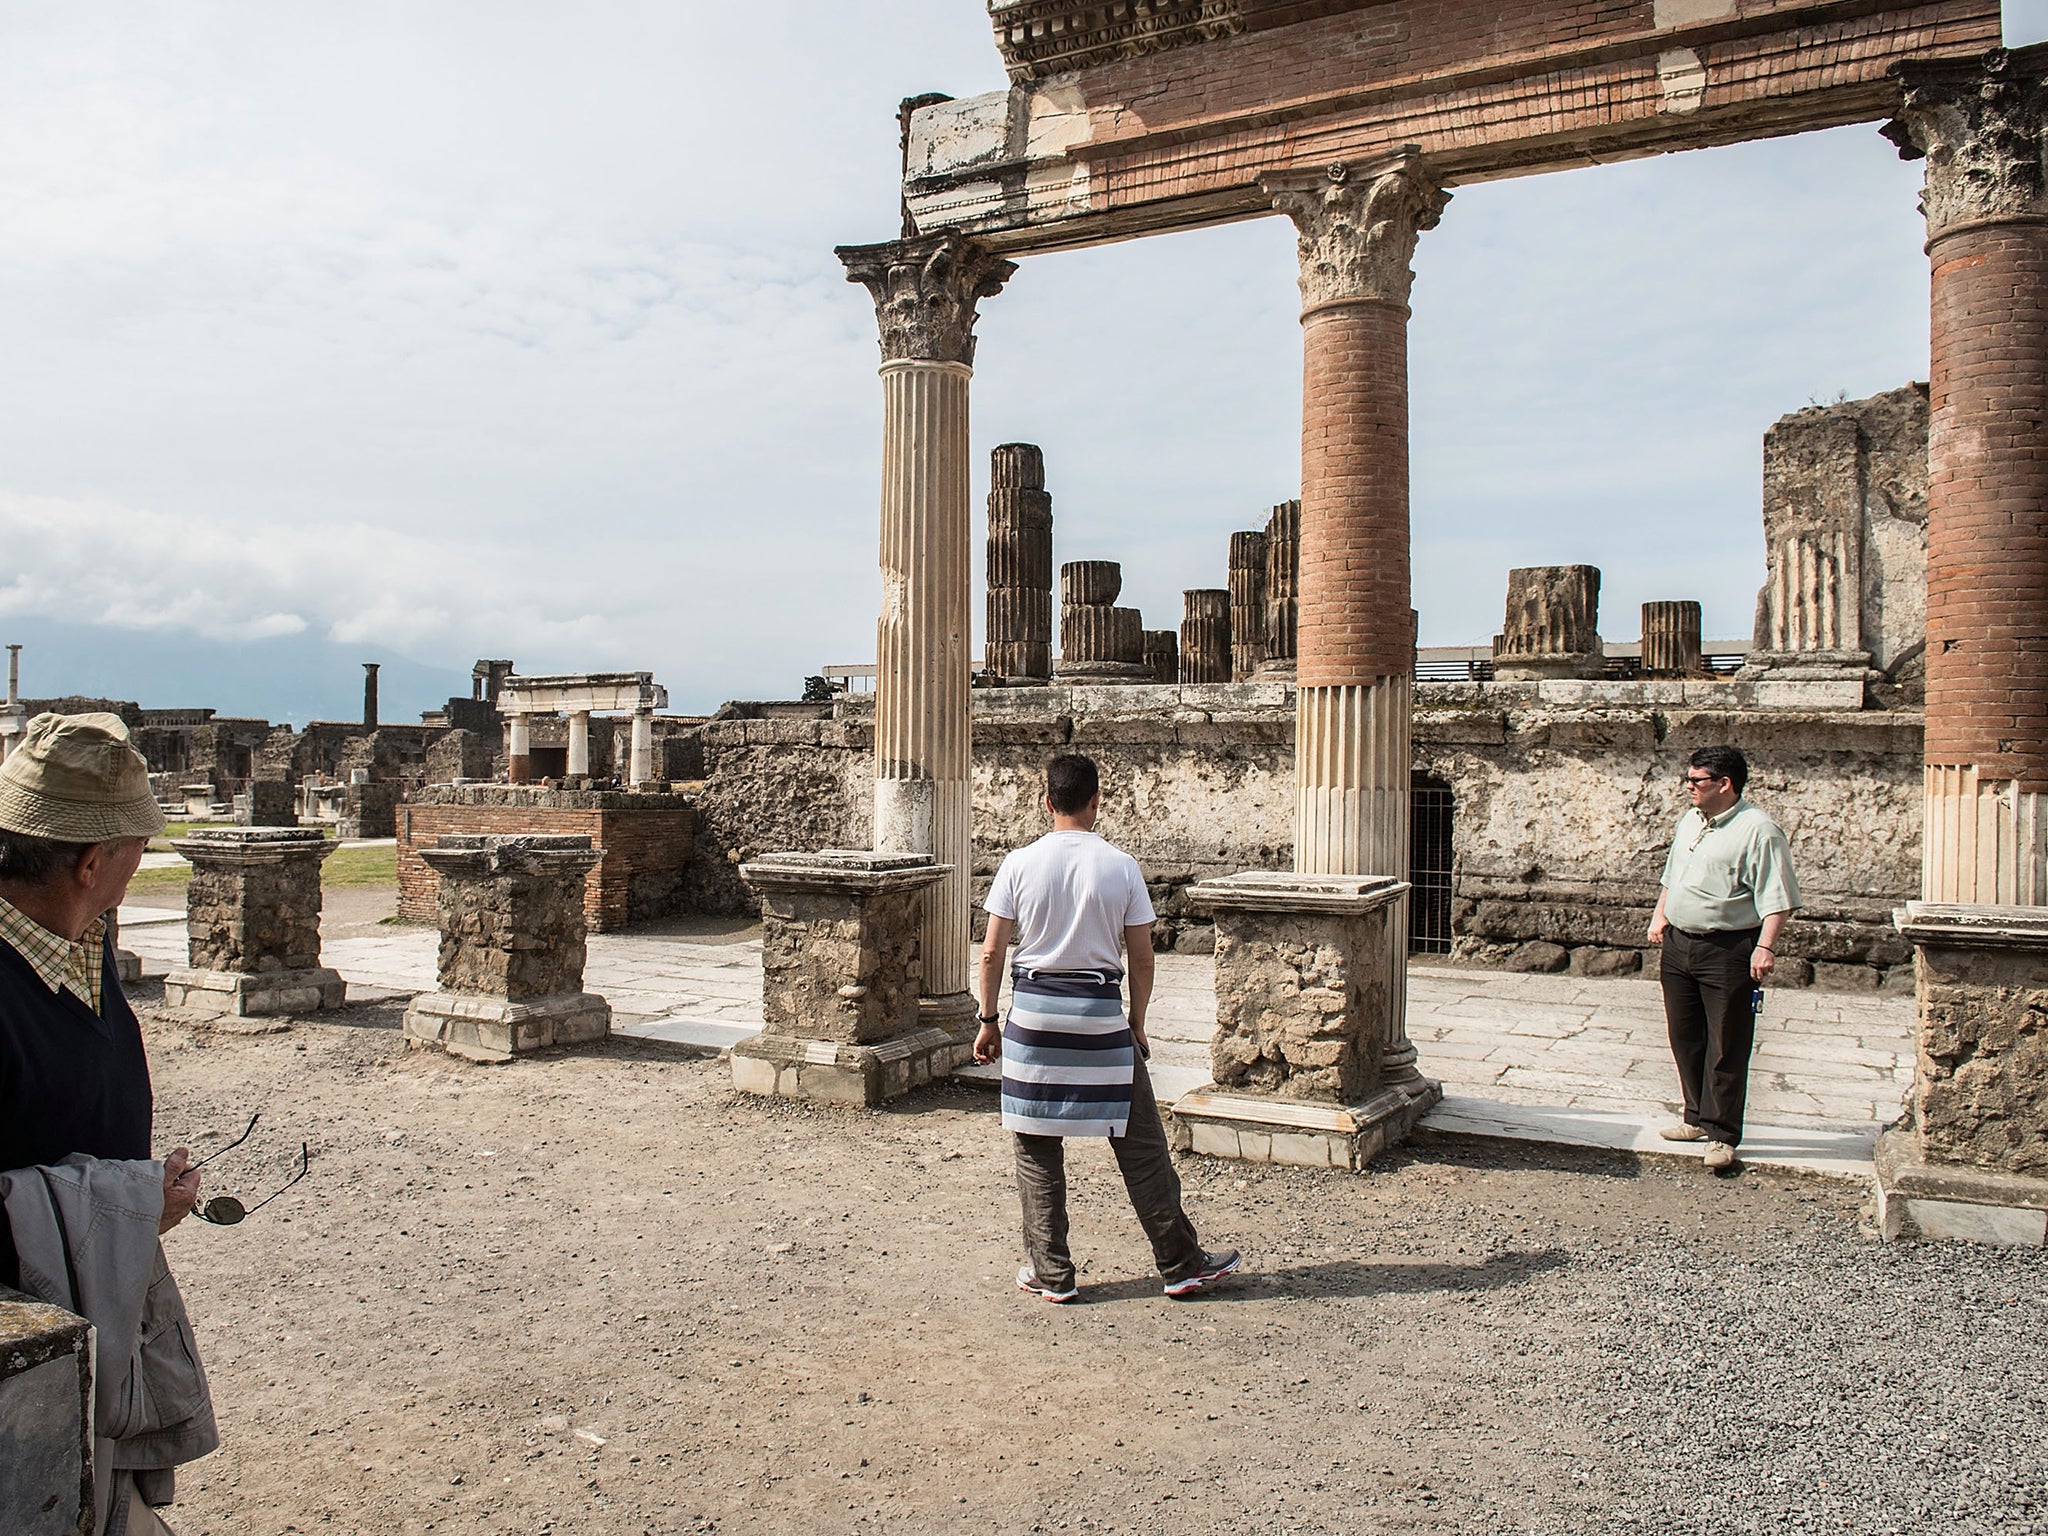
point(58, 961)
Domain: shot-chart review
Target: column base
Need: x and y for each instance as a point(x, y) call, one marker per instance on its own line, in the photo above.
point(495, 1029)
point(1921, 1199)
point(224, 997)
point(837, 1072)
point(956, 1014)
point(127, 966)
point(1299, 1133)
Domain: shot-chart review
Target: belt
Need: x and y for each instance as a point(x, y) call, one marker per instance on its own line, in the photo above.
point(1712, 935)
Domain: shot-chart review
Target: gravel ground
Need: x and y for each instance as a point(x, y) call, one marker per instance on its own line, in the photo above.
point(601, 1293)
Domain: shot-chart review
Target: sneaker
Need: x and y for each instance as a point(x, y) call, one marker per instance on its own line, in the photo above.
point(1683, 1133)
point(1027, 1280)
point(1721, 1155)
point(1214, 1267)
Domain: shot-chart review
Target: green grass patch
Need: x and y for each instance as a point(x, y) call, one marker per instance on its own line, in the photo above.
point(171, 879)
point(361, 866)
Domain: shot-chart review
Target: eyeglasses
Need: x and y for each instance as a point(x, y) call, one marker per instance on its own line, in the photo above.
point(1692, 782)
point(226, 1210)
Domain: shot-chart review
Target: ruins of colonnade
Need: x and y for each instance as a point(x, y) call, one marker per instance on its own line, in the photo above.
point(1356, 121)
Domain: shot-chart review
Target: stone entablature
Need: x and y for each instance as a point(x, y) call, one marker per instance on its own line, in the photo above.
point(648, 840)
point(1127, 141)
point(1050, 37)
point(587, 692)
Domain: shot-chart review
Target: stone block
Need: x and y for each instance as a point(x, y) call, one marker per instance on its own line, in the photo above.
point(236, 1003)
point(1539, 958)
point(1298, 1134)
point(834, 1072)
point(1590, 960)
point(253, 903)
point(1846, 978)
point(1920, 1197)
point(496, 1029)
point(46, 1390)
point(268, 803)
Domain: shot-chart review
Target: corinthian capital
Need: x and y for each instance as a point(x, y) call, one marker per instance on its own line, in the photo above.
point(1358, 226)
point(925, 292)
point(1978, 123)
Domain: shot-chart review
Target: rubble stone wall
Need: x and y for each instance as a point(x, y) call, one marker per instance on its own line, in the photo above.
point(1562, 813)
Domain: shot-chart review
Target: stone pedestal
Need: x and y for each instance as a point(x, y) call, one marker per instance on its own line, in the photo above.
point(1283, 587)
point(1205, 636)
point(1971, 1158)
point(1552, 625)
point(252, 921)
point(1310, 1066)
point(1019, 648)
point(841, 963)
point(1247, 604)
point(1671, 639)
point(510, 911)
point(198, 800)
point(46, 1391)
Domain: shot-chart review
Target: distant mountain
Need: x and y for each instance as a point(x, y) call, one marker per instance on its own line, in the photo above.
point(293, 679)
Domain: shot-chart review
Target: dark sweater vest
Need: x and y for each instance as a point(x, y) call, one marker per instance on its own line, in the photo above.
point(70, 1080)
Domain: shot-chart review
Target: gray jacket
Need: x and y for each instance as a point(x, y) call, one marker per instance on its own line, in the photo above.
point(86, 1232)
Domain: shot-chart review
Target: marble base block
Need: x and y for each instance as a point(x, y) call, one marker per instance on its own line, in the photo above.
point(1296, 1132)
point(483, 1028)
point(227, 998)
point(838, 1072)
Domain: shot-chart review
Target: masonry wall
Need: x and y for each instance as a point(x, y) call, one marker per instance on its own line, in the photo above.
point(1563, 811)
point(648, 840)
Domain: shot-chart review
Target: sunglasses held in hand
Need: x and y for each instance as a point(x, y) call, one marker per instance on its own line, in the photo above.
point(226, 1210)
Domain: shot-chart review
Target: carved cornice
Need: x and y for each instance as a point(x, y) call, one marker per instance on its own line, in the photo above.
point(925, 291)
point(1979, 125)
point(1358, 226)
point(1051, 37)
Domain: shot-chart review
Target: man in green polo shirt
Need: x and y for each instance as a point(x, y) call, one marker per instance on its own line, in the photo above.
point(1728, 889)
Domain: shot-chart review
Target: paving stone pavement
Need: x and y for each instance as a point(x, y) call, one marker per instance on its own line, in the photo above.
point(1555, 1058)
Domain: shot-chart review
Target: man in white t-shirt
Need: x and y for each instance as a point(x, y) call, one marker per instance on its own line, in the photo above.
point(1070, 1058)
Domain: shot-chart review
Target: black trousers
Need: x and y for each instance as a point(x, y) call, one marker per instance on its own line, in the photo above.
point(1146, 1163)
point(1709, 1011)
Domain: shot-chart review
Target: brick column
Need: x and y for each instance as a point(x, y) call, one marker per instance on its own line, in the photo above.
point(1355, 634)
point(1978, 123)
point(925, 292)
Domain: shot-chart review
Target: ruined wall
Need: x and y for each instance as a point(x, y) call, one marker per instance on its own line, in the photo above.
point(1563, 811)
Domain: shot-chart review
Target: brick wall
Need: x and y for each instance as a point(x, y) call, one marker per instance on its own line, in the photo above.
point(648, 843)
point(1987, 484)
point(1354, 623)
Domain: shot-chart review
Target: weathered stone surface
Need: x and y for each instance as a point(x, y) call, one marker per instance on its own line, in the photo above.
point(46, 1390)
point(510, 911)
point(253, 903)
point(1845, 541)
point(1162, 655)
point(267, 803)
point(1671, 639)
point(1090, 583)
point(840, 953)
point(1205, 650)
point(1980, 1088)
point(1247, 603)
point(1303, 1003)
point(1590, 960)
point(1978, 123)
point(1552, 624)
point(1019, 565)
point(1283, 589)
point(1539, 958)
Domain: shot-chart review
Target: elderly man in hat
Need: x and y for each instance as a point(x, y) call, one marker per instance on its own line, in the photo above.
point(75, 814)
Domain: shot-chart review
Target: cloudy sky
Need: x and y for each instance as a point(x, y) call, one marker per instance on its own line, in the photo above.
point(418, 332)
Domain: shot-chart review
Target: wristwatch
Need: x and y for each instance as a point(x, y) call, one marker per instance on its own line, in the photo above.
point(990, 1018)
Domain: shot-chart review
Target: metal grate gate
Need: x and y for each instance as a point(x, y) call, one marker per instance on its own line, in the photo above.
point(1429, 867)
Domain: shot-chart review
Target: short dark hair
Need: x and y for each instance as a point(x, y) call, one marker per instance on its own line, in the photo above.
point(1071, 782)
point(1723, 763)
point(26, 860)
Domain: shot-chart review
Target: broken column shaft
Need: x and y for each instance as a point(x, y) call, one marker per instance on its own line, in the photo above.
point(1283, 588)
point(1552, 625)
point(1247, 603)
point(1099, 642)
point(1019, 646)
point(1671, 639)
point(1205, 636)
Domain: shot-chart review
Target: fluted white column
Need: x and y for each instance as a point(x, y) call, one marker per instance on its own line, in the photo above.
point(640, 767)
point(925, 293)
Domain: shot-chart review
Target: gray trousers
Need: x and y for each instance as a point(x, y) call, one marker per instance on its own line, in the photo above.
point(1154, 1187)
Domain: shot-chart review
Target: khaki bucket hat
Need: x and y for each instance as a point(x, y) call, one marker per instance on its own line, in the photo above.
point(75, 779)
